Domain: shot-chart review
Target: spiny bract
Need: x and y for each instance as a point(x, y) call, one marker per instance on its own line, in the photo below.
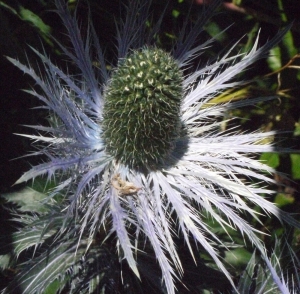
point(141, 115)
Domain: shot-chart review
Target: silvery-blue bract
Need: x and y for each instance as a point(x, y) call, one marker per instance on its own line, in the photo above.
point(135, 153)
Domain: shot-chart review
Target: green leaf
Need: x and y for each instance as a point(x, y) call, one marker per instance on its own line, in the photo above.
point(274, 59)
point(175, 13)
point(295, 160)
point(297, 129)
point(215, 31)
point(288, 41)
point(282, 199)
point(271, 159)
point(53, 287)
point(43, 184)
point(238, 257)
point(34, 20)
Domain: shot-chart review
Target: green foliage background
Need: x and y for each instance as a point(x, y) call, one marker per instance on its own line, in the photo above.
point(26, 23)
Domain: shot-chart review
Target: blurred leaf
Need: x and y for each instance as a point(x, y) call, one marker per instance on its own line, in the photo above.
point(53, 287)
point(297, 129)
point(175, 13)
point(295, 160)
point(287, 41)
point(271, 159)
point(238, 257)
point(237, 2)
point(216, 32)
point(33, 19)
point(274, 59)
point(282, 199)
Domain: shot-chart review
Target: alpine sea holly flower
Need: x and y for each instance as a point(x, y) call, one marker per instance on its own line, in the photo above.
point(139, 150)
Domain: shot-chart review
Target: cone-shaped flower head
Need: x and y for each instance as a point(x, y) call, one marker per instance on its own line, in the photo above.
point(141, 114)
point(139, 150)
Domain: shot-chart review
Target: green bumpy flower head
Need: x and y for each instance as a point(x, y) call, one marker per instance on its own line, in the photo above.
point(141, 117)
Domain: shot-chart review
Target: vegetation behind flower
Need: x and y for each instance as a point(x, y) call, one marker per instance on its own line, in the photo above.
point(204, 170)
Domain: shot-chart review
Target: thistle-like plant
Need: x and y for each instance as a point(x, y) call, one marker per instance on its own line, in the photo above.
point(138, 159)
